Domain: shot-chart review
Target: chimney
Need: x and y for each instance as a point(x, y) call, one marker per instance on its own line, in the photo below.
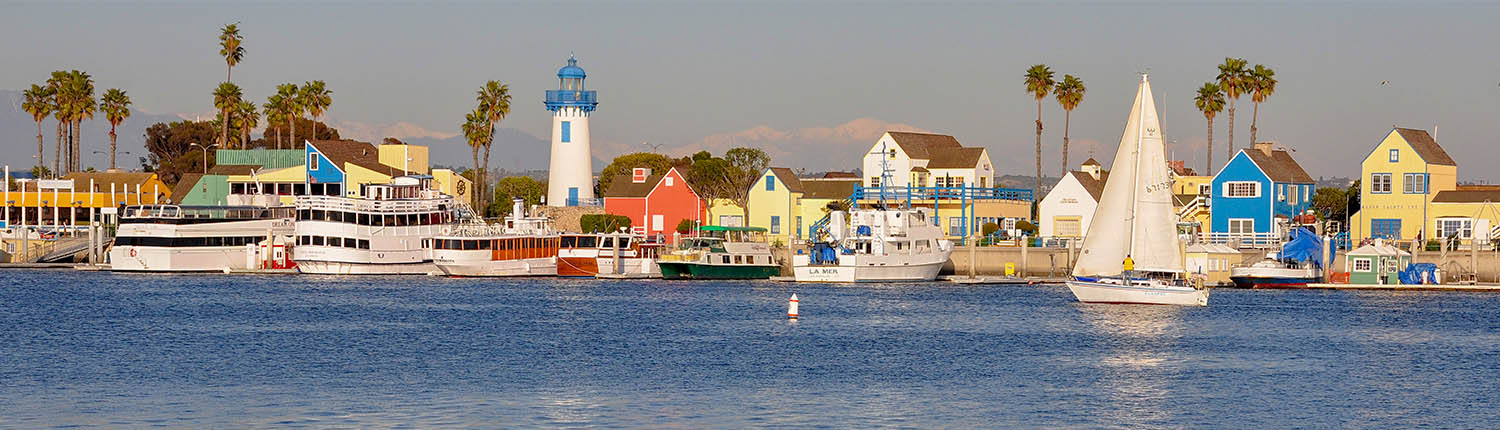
point(1264, 147)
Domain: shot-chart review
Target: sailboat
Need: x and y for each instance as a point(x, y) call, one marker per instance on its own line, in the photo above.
point(1135, 220)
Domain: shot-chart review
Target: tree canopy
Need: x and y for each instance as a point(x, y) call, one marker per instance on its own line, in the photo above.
point(529, 190)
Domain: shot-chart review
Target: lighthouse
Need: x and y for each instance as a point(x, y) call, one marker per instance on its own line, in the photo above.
point(570, 179)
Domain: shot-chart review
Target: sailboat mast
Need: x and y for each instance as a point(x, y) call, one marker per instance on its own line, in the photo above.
point(1135, 176)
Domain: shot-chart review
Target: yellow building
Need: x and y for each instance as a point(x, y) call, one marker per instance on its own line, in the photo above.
point(1399, 179)
point(452, 183)
point(724, 212)
point(1190, 198)
point(339, 167)
point(774, 204)
point(71, 200)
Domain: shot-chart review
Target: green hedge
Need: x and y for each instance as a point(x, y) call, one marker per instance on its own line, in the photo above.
point(600, 223)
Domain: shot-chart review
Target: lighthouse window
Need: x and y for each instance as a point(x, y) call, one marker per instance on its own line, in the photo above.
point(567, 131)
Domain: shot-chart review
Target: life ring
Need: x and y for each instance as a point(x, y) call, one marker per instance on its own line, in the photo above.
point(132, 252)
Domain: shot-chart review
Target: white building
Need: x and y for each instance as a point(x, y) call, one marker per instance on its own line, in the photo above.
point(570, 179)
point(1068, 208)
point(927, 160)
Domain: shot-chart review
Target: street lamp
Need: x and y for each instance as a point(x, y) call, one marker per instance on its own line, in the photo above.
point(205, 154)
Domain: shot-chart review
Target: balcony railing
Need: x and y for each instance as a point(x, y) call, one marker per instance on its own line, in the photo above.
point(941, 193)
point(588, 97)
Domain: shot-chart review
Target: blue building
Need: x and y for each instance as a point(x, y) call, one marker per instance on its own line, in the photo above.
point(1259, 189)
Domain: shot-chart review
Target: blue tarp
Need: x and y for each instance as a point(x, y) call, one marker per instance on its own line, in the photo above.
point(1305, 247)
point(1415, 273)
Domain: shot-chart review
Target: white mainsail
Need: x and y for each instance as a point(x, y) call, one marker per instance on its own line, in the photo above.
point(1135, 215)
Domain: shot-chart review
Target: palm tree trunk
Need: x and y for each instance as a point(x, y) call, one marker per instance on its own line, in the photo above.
point(477, 180)
point(41, 149)
point(1254, 118)
point(278, 137)
point(1210, 168)
point(485, 173)
point(1067, 124)
point(245, 137)
point(112, 146)
point(1037, 192)
point(77, 146)
point(57, 151)
point(292, 132)
point(224, 136)
point(1231, 129)
point(315, 128)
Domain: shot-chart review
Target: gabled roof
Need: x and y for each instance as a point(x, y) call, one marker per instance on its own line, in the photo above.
point(788, 177)
point(831, 175)
point(1279, 165)
point(1095, 187)
point(1092, 162)
point(918, 145)
point(361, 154)
point(185, 184)
point(622, 186)
point(829, 188)
point(1426, 146)
point(954, 158)
point(232, 169)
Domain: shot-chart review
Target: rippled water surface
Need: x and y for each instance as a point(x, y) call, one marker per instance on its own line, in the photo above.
point(219, 351)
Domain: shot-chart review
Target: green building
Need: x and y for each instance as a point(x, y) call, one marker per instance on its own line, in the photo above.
point(1377, 263)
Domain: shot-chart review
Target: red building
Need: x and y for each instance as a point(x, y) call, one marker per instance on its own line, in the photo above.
point(654, 203)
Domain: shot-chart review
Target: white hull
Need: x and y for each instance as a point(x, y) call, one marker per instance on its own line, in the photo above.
point(313, 267)
point(632, 267)
point(497, 268)
point(167, 259)
point(1138, 292)
point(867, 273)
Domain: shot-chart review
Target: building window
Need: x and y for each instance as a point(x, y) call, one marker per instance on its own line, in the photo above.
point(1362, 264)
point(1241, 225)
point(874, 181)
point(1388, 228)
point(1205, 189)
point(893, 154)
point(668, 180)
point(1380, 183)
point(567, 131)
point(1291, 194)
point(1242, 189)
point(1395, 155)
point(312, 161)
point(770, 183)
point(799, 224)
point(657, 222)
point(1414, 183)
point(1461, 228)
point(731, 221)
point(955, 226)
point(775, 224)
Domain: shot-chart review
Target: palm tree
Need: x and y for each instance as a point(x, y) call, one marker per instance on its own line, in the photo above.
point(246, 119)
point(87, 105)
point(1038, 83)
point(229, 47)
point(57, 85)
point(494, 98)
point(1069, 95)
point(476, 131)
point(116, 109)
point(1233, 79)
point(289, 110)
point(38, 102)
point(275, 109)
point(316, 98)
point(1262, 85)
point(1210, 101)
point(226, 97)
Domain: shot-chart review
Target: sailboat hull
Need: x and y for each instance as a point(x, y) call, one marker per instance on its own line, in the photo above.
point(1137, 292)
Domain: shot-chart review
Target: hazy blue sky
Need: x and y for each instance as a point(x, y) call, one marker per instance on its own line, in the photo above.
point(787, 75)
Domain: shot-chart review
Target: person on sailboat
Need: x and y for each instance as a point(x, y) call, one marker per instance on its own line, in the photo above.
point(1129, 266)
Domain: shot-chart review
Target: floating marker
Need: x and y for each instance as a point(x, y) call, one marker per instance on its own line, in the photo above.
point(791, 307)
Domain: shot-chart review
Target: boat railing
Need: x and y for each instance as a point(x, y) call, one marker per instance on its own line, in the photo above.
point(1242, 240)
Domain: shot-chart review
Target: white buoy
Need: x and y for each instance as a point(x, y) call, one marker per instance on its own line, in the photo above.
point(791, 307)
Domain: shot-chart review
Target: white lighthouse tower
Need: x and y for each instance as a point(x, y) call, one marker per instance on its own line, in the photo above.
point(570, 180)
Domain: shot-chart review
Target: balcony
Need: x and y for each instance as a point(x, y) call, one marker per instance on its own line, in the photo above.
point(941, 193)
point(586, 99)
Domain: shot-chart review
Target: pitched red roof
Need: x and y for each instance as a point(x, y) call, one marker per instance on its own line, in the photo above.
point(622, 186)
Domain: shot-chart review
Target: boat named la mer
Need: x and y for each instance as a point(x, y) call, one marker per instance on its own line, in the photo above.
point(386, 231)
point(522, 246)
point(721, 253)
point(875, 245)
point(171, 238)
point(1135, 220)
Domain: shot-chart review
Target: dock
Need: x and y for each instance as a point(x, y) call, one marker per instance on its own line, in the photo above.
point(622, 276)
point(977, 280)
point(1421, 287)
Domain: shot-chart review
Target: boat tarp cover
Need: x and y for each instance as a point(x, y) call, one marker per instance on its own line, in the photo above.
point(1305, 247)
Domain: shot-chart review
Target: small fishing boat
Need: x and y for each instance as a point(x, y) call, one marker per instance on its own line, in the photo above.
point(1297, 264)
point(875, 245)
point(721, 253)
point(1132, 253)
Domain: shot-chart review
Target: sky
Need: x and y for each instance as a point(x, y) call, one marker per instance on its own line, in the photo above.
point(814, 83)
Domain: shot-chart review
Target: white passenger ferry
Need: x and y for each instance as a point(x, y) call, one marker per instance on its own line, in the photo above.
point(875, 245)
point(522, 246)
point(170, 238)
point(388, 230)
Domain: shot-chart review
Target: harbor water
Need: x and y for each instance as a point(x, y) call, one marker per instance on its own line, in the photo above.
point(230, 351)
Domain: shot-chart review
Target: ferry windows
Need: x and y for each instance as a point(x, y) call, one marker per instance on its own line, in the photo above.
point(299, 189)
point(608, 243)
point(362, 219)
point(351, 243)
point(284, 189)
point(364, 244)
point(486, 244)
point(726, 259)
point(317, 240)
point(317, 214)
point(587, 241)
point(567, 242)
point(334, 190)
point(335, 242)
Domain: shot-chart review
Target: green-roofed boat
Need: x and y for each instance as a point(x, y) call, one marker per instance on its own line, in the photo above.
point(721, 253)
